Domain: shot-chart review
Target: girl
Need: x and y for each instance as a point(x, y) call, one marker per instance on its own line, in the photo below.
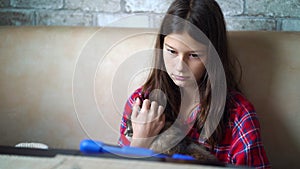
point(185, 74)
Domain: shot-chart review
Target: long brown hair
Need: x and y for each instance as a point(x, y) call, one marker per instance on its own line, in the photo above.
point(207, 16)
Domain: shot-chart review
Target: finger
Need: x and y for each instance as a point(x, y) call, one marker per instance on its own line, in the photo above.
point(153, 108)
point(136, 108)
point(160, 110)
point(145, 106)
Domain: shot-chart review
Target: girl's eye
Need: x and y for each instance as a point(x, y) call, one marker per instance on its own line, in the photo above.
point(171, 51)
point(195, 55)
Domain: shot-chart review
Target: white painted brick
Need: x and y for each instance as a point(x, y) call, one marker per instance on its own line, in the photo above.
point(64, 18)
point(231, 7)
point(16, 18)
point(94, 5)
point(291, 25)
point(250, 24)
point(239, 14)
point(157, 6)
point(4, 3)
point(43, 4)
point(281, 8)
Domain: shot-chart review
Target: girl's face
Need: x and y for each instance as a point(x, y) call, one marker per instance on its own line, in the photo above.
point(184, 58)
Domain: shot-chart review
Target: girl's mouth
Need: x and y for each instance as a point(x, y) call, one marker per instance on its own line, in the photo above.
point(180, 78)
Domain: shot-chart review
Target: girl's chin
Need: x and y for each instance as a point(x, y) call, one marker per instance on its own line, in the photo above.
point(183, 84)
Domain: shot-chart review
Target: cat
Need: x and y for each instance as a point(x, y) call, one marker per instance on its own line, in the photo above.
point(173, 140)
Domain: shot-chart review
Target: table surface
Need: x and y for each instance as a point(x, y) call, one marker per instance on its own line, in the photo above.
point(76, 162)
point(72, 159)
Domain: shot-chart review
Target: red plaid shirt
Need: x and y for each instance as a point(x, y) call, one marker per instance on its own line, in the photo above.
point(242, 143)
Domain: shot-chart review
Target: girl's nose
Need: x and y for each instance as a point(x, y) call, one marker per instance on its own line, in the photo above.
point(181, 63)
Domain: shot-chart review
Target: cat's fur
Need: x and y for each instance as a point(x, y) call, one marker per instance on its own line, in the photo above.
point(175, 141)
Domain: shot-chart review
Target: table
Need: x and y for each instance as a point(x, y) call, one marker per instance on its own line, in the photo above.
point(11, 157)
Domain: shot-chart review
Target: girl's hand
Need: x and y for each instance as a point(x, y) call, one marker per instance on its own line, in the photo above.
point(146, 123)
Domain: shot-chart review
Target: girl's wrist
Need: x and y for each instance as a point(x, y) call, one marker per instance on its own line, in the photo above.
point(141, 142)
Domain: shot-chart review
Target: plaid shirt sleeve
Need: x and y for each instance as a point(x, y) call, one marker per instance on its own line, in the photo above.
point(246, 145)
point(125, 129)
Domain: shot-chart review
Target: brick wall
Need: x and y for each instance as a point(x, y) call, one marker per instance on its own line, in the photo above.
point(273, 15)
